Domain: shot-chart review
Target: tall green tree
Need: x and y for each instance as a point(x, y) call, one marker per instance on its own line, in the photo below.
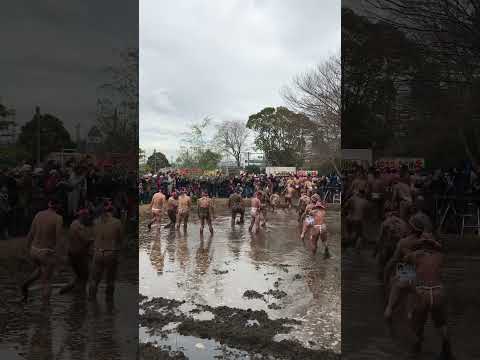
point(282, 135)
point(53, 136)
point(157, 161)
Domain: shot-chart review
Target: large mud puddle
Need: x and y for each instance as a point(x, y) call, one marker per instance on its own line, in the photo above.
point(235, 287)
point(71, 327)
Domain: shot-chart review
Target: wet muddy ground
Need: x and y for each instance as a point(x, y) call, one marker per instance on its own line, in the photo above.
point(366, 336)
point(72, 327)
point(235, 295)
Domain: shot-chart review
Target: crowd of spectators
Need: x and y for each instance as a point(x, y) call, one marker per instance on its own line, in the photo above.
point(25, 190)
point(222, 186)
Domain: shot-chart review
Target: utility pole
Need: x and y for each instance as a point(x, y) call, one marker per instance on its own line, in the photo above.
point(77, 135)
point(37, 117)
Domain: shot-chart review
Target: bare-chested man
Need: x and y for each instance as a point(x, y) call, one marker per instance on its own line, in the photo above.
point(235, 203)
point(184, 206)
point(429, 295)
point(256, 212)
point(356, 208)
point(307, 217)
point(319, 228)
point(274, 201)
point(108, 240)
point(302, 204)
point(392, 230)
point(80, 239)
point(402, 196)
point(397, 277)
point(172, 207)
point(42, 240)
point(289, 192)
point(377, 194)
point(205, 211)
point(156, 207)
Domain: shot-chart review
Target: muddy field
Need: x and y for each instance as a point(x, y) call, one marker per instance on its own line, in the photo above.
point(235, 295)
point(72, 327)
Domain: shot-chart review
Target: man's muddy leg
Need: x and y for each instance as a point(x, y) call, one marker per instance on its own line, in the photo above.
point(34, 276)
point(234, 217)
point(314, 241)
point(242, 216)
point(185, 222)
point(97, 272)
point(324, 238)
point(393, 298)
point(111, 277)
point(46, 279)
point(210, 226)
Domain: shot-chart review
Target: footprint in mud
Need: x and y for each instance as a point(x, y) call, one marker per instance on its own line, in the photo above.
point(252, 294)
point(274, 306)
point(297, 277)
point(220, 272)
point(277, 294)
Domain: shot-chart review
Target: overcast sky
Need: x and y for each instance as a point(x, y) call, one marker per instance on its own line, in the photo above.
point(54, 54)
point(224, 58)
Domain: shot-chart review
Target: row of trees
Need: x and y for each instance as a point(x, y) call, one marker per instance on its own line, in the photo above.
point(308, 130)
point(117, 118)
point(411, 67)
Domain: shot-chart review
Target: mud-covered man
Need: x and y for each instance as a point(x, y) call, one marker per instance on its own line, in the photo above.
point(429, 296)
point(172, 208)
point(205, 211)
point(108, 240)
point(235, 203)
point(79, 244)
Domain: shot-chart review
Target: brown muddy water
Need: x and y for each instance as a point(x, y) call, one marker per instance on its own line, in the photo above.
point(366, 336)
point(260, 280)
point(71, 327)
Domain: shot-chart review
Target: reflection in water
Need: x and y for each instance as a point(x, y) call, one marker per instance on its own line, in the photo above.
point(72, 327)
point(203, 256)
point(41, 340)
point(217, 270)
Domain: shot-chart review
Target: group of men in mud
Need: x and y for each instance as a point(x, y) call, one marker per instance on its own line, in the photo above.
point(409, 256)
point(311, 210)
point(92, 244)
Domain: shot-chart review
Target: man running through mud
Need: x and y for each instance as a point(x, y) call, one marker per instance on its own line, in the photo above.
point(172, 207)
point(184, 206)
point(235, 203)
point(377, 194)
point(274, 201)
point(108, 240)
point(402, 195)
point(319, 229)
point(156, 207)
point(256, 212)
point(398, 277)
point(392, 230)
point(307, 217)
point(45, 233)
point(429, 296)
point(289, 192)
point(356, 209)
point(205, 211)
point(80, 239)
point(302, 204)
